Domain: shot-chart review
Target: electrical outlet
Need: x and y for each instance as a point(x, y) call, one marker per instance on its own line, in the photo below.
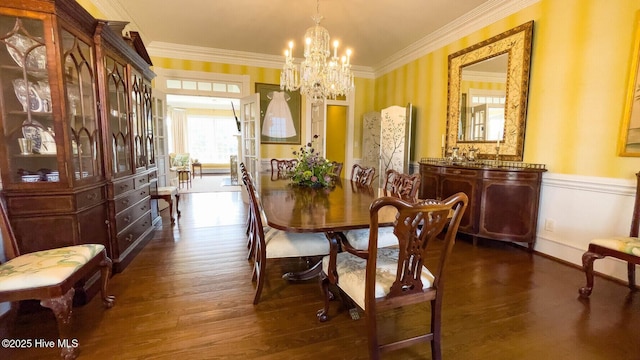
point(549, 225)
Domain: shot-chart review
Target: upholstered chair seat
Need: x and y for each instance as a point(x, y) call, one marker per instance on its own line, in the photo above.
point(282, 244)
point(625, 248)
point(359, 238)
point(352, 272)
point(627, 245)
point(45, 268)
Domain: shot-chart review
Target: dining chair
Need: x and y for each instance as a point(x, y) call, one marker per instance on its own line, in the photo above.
point(337, 169)
point(271, 243)
point(362, 175)
point(624, 248)
point(380, 279)
point(403, 186)
point(50, 276)
point(280, 168)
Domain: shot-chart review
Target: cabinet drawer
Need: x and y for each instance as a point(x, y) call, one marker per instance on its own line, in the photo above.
point(430, 169)
point(153, 175)
point(460, 172)
point(122, 187)
point(128, 216)
point(130, 199)
point(90, 198)
point(130, 234)
point(511, 175)
point(141, 180)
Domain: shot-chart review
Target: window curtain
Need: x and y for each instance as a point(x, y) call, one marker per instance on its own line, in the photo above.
point(179, 130)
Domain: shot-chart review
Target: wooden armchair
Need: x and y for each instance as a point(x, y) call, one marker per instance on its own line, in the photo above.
point(399, 185)
point(362, 175)
point(50, 276)
point(379, 279)
point(620, 247)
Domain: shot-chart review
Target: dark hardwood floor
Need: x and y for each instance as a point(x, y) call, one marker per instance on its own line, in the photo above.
point(188, 295)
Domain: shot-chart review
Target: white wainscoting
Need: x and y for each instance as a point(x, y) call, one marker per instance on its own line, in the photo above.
point(581, 209)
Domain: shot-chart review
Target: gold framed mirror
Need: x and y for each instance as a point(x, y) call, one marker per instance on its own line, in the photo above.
point(487, 95)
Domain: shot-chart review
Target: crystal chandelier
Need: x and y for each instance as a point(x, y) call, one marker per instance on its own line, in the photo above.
point(320, 75)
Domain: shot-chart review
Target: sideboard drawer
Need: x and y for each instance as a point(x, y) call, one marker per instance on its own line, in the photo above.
point(511, 175)
point(130, 215)
point(141, 181)
point(122, 187)
point(131, 198)
point(90, 198)
point(130, 234)
point(459, 172)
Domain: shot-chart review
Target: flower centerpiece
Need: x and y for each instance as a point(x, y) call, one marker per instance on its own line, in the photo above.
point(312, 169)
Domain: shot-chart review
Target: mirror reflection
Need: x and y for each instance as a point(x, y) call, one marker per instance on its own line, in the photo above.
point(487, 96)
point(484, 89)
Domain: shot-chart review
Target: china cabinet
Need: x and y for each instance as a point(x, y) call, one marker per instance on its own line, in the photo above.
point(503, 197)
point(77, 131)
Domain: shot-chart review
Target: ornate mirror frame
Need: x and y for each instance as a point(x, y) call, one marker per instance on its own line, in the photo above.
point(517, 44)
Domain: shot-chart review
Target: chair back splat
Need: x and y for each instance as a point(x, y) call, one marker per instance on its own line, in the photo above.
point(619, 247)
point(281, 168)
point(362, 175)
point(399, 276)
point(401, 185)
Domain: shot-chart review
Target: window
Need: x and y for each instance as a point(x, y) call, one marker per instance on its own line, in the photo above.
point(210, 138)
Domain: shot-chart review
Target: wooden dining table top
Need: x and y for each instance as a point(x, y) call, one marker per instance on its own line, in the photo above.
point(344, 206)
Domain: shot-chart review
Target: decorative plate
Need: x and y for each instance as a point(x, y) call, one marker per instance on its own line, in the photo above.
point(34, 130)
point(18, 45)
point(33, 102)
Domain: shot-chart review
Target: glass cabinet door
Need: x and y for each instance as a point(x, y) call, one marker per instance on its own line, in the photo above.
point(26, 113)
point(81, 109)
point(117, 114)
point(148, 125)
point(137, 116)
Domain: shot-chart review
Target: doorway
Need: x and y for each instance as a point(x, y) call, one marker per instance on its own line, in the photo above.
point(336, 133)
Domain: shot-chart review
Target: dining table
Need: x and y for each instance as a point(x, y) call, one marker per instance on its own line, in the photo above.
point(329, 210)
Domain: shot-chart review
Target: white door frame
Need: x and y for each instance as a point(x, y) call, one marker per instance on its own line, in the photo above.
point(348, 151)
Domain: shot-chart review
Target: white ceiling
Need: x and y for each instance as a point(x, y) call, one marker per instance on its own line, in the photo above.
point(373, 29)
point(379, 32)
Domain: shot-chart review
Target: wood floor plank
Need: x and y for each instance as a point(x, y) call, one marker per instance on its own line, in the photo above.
point(188, 294)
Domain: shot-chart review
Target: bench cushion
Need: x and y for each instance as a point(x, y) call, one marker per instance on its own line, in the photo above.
point(167, 190)
point(45, 268)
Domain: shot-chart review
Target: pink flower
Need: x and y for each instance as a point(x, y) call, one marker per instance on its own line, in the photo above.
point(314, 178)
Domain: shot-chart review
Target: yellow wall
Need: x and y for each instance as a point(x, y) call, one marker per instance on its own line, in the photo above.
point(580, 66)
point(336, 132)
point(579, 71)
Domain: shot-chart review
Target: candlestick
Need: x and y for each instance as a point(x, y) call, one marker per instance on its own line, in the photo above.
point(443, 138)
point(497, 153)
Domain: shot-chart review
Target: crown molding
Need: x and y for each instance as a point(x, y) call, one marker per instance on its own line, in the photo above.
point(234, 57)
point(112, 10)
point(482, 16)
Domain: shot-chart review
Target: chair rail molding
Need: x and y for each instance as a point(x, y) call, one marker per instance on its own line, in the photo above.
point(582, 208)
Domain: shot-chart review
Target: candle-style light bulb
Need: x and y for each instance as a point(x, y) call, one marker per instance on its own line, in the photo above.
point(348, 55)
point(335, 48)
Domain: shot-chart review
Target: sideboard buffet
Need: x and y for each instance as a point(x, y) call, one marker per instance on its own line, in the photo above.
point(76, 158)
point(503, 196)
